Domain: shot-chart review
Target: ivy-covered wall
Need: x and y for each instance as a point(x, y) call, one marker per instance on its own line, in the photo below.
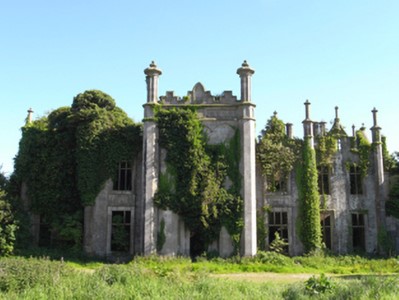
point(193, 185)
point(66, 157)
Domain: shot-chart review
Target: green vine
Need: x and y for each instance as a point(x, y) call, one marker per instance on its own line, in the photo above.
point(161, 237)
point(193, 185)
point(66, 157)
point(276, 154)
point(309, 200)
point(261, 228)
point(325, 148)
point(364, 150)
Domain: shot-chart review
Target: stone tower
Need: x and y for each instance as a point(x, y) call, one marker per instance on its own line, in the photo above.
point(247, 128)
point(378, 172)
point(150, 158)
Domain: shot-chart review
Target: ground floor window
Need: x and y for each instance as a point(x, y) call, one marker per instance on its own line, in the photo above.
point(358, 232)
point(278, 223)
point(326, 229)
point(121, 231)
point(44, 232)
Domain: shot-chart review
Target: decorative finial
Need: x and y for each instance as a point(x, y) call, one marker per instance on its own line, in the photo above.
point(245, 63)
point(353, 130)
point(29, 117)
point(307, 104)
point(363, 127)
point(275, 113)
point(374, 111)
point(336, 112)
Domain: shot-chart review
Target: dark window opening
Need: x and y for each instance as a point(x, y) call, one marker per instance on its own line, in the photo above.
point(44, 233)
point(355, 178)
point(121, 231)
point(278, 222)
point(123, 180)
point(197, 246)
point(358, 232)
point(278, 185)
point(326, 229)
point(324, 180)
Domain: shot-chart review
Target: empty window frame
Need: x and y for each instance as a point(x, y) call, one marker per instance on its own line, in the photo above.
point(123, 180)
point(278, 184)
point(44, 233)
point(121, 231)
point(355, 179)
point(326, 229)
point(358, 232)
point(324, 180)
point(278, 222)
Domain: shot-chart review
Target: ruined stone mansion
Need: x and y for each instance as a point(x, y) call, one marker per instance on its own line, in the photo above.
point(352, 215)
point(354, 209)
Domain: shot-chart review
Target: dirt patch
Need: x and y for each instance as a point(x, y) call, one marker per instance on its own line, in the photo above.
point(264, 277)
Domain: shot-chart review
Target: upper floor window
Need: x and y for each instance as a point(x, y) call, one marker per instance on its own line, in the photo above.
point(123, 180)
point(355, 179)
point(323, 180)
point(277, 184)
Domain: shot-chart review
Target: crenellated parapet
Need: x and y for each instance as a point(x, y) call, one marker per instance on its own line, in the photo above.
point(198, 95)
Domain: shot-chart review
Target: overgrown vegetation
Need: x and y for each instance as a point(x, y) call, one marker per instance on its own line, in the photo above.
point(364, 150)
point(170, 278)
point(65, 158)
point(194, 183)
point(392, 205)
point(8, 224)
point(309, 200)
point(276, 154)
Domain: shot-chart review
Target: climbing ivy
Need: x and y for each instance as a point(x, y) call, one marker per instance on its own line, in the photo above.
point(66, 157)
point(325, 147)
point(364, 150)
point(276, 153)
point(309, 199)
point(194, 185)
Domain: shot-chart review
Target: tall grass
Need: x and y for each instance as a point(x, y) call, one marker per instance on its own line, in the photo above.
point(178, 278)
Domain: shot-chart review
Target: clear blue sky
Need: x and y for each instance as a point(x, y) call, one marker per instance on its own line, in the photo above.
point(334, 53)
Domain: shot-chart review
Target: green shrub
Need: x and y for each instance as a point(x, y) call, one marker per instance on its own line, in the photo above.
point(319, 285)
point(8, 227)
point(19, 274)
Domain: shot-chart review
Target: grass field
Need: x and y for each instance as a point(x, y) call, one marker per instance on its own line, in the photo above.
point(267, 276)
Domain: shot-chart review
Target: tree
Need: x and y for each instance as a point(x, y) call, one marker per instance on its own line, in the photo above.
point(392, 205)
point(276, 153)
point(7, 223)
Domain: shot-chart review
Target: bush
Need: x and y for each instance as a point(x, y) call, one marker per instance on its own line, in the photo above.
point(19, 274)
point(319, 285)
point(8, 227)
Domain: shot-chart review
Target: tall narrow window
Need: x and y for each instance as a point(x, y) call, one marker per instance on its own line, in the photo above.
point(358, 232)
point(326, 229)
point(121, 231)
point(123, 180)
point(278, 222)
point(355, 178)
point(323, 180)
point(44, 232)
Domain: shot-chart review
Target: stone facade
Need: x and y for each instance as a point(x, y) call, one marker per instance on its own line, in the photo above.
point(353, 209)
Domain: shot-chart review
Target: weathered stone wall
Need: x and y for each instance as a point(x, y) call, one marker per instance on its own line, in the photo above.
point(97, 218)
